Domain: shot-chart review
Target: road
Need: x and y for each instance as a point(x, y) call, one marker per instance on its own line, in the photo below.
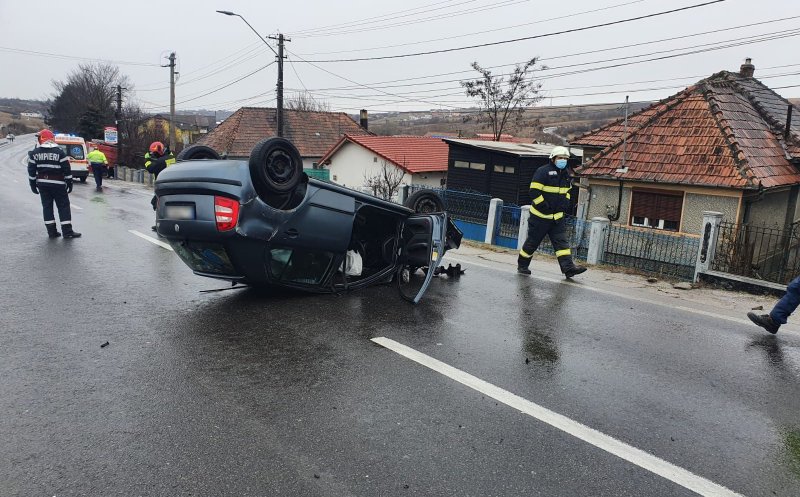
point(495, 385)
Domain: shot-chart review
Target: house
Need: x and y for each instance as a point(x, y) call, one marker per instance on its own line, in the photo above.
point(500, 169)
point(313, 133)
point(411, 159)
point(727, 144)
point(189, 128)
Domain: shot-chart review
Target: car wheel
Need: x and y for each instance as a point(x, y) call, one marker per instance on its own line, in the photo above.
point(198, 152)
point(424, 202)
point(276, 166)
point(82, 179)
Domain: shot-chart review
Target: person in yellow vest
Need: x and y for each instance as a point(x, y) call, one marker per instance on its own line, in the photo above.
point(155, 161)
point(98, 162)
point(550, 199)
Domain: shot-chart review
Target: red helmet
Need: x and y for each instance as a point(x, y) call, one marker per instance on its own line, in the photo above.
point(46, 135)
point(157, 148)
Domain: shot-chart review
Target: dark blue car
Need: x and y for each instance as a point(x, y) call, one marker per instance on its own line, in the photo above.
point(263, 222)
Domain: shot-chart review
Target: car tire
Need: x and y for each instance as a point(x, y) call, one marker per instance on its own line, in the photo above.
point(424, 202)
point(275, 166)
point(198, 152)
point(82, 179)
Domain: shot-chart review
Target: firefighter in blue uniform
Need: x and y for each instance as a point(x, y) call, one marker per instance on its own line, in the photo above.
point(50, 177)
point(550, 199)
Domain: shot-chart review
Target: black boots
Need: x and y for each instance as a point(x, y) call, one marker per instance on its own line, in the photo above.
point(765, 321)
point(52, 232)
point(68, 233)
point(574, 271)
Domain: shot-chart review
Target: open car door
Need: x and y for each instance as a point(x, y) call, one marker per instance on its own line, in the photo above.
point(423, 242)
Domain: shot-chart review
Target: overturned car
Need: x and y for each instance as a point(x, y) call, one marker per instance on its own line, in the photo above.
point(264, 222)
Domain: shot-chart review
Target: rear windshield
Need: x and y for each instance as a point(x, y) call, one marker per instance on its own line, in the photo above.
point(73, 150)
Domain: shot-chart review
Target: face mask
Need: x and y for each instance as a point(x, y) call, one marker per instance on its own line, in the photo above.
point(561, 163)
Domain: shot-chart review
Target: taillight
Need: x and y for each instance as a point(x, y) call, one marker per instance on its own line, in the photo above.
point(226, 212)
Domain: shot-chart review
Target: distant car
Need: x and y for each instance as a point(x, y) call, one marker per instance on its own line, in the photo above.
point(264, 222)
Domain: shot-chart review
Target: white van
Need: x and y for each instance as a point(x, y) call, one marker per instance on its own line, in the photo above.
point(75, 148)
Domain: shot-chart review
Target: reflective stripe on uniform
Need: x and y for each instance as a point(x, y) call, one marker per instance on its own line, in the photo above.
point(554, 217)
point(538, 200)
point(535, 185)
point(50, 181)
point(525, 254)
point(561, 253)
point(171, 161)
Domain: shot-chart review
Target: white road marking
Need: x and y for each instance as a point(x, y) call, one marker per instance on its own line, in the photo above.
point(670, 305)
point(640, 458)
point(151, 240)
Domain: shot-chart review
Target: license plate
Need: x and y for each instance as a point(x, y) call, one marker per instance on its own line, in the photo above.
point(179, 212)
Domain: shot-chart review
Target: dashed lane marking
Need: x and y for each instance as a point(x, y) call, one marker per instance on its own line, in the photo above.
point(640, 458)
point(151, 240)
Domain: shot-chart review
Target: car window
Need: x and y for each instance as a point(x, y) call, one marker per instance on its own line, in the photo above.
point(74, 151)
point(299, 266)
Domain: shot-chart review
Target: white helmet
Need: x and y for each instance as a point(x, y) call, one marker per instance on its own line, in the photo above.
point(559, 152)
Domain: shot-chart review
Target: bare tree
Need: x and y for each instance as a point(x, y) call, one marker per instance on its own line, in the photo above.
point(305, 101)
point(386, 181)
point(85, 102)
point(503, 104)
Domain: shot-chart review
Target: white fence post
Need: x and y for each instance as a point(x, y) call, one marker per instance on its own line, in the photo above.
point(493, 220)
point(597, 240)
point(402, 194)
point(708, 242)
point(525, 214)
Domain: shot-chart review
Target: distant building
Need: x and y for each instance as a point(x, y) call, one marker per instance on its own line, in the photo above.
point(32, 115)
point(500, 169)
point(725, 144)
point(420, 160)
point(313, 133)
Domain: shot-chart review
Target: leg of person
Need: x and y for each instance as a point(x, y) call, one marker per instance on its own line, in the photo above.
point(782, 310)
point(45, 195)
point(537, 228)
point(560, 242)
point(98, 176)
point(154, 203)
point(64, 213)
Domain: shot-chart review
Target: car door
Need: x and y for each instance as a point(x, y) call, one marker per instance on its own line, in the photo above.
point(423, 239)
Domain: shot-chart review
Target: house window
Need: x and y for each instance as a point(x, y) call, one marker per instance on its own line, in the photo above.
point(469, 165)
point(504, 169)
point(374, 159)
point(656, 209)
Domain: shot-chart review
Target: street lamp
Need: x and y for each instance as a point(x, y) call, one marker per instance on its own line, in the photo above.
point(279, 55)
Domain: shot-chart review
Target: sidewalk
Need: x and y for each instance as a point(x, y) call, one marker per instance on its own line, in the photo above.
point(725, 304)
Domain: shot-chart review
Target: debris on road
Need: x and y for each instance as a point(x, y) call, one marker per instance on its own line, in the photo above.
point(104, 345)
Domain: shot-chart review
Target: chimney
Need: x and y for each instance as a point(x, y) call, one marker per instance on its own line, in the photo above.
point(747, 69)
point(364, 121)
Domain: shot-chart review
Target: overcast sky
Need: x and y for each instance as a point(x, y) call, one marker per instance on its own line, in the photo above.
point(43, 41)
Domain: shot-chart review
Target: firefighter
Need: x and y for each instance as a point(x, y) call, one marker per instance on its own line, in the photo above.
point(50, 177)
point(155, 161)
point(98, 162)
point(549, 201)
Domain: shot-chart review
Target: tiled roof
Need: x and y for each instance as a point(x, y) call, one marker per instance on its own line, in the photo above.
point(313, 133)
point(723, 131)
point(415, 154)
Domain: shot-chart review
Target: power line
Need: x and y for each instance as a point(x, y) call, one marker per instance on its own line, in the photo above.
point(474, 33)
point(74, 57)
point(226, 85)
point(450, 15)
point(525, 38)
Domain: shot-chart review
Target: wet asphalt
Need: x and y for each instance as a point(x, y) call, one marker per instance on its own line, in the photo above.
point(238, 392)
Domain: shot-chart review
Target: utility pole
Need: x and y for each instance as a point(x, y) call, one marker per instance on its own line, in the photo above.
point(172, 101)
point(279, 111)
point(117, 122)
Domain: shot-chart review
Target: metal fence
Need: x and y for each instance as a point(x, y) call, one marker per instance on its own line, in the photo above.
point(509, 221)
point(466, 206)
point(577, 234)
point(761, 252)
point(651, 251)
